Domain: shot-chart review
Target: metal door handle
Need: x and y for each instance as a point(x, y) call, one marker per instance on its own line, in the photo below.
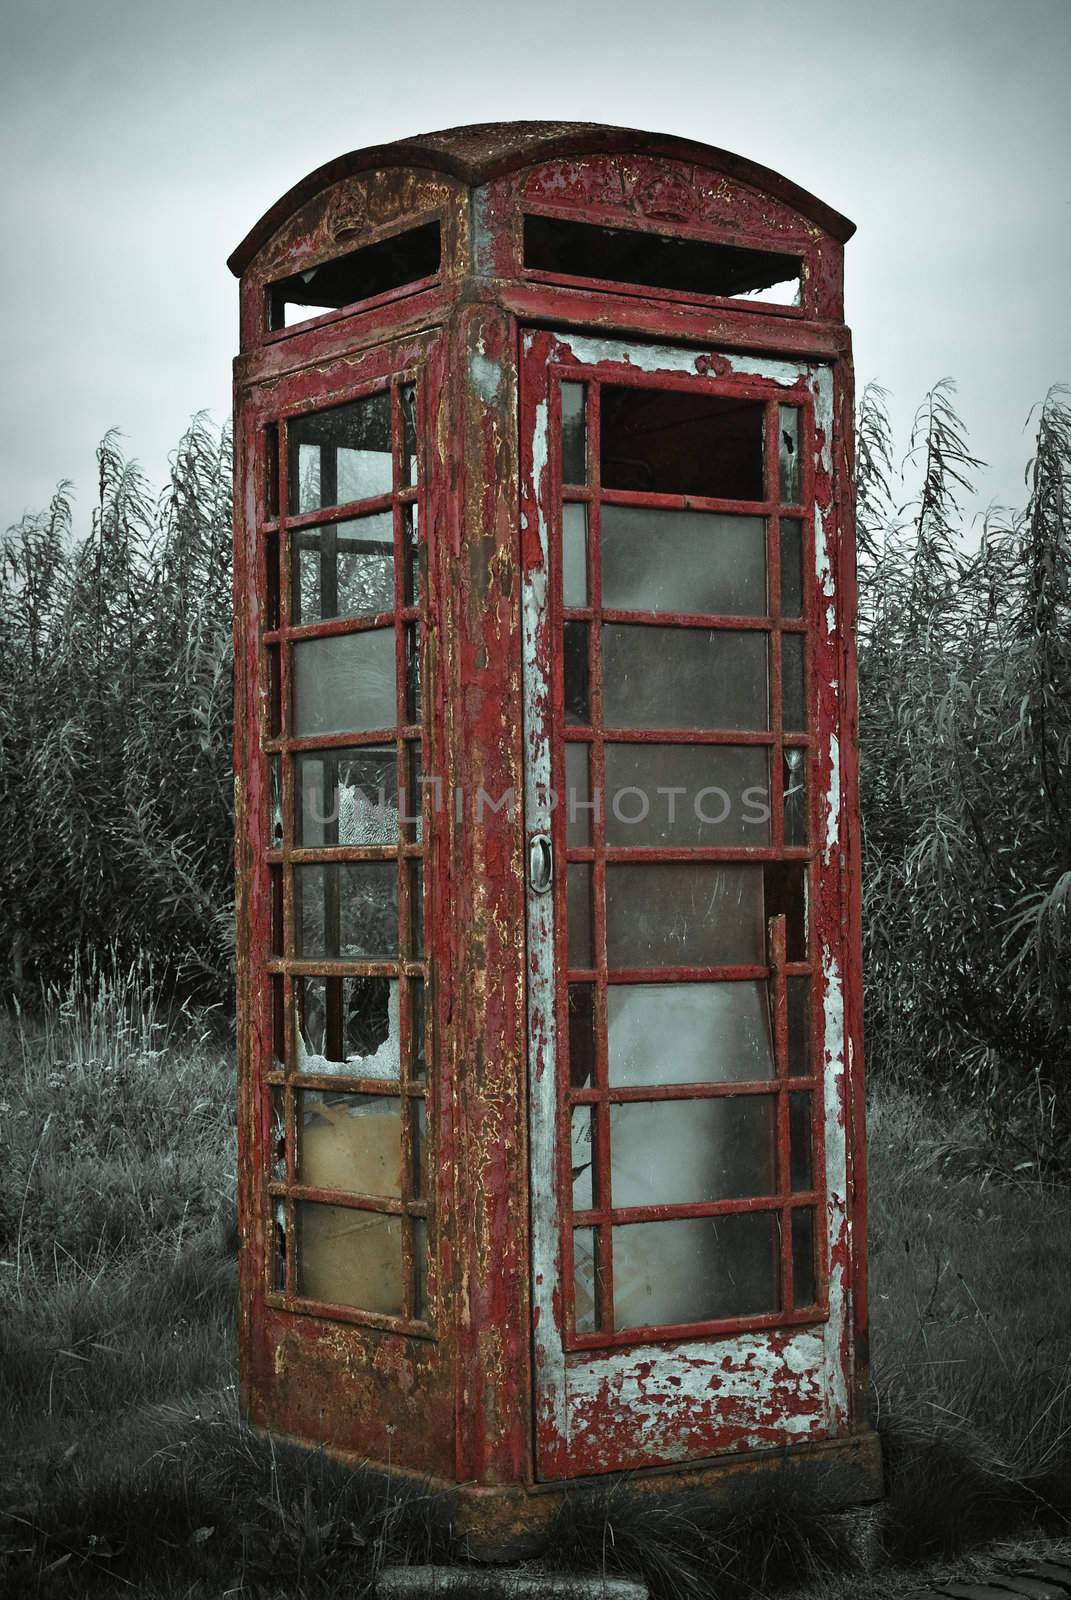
point(540, 863)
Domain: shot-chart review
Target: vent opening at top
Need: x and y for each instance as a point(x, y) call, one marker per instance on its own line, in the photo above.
point(660, 261)
point(372, 270)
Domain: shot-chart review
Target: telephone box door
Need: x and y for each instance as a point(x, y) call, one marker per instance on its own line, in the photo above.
point(685, 903)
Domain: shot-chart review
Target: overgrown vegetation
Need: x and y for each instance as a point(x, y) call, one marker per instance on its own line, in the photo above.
point(115, 726)
point(965, 734)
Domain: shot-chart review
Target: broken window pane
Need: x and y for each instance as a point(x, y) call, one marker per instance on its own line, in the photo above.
point(799, 1027)
point(407, 400)
point(675, 441)
point(278, 1135)
point(795, 796)
point(680, 914)
point(688, 1033)
point(785, 885)
point(695, 1269)
point(351, 1142)
point(279, 1247)
point(789, 454)
point(340, 455)
point(360, 274)
point(350, 1258)
point(345, 569)
point(412, 547)
point(275, 774)
point(690, 561)
point(345, 683)
point(347, 910)
point(348, 797)
point(348, 1025)
point(674, 1152)
point(418, 1146)
point(574, 435)
point(583, 1157)
point(686, 794)
point(417, 1028)
point(656, 677)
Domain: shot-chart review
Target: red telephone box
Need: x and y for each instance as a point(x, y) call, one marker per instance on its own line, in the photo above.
point(548, 858)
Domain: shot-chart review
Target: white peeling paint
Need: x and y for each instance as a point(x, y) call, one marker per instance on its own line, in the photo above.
point(486, 377)
point(832, 800)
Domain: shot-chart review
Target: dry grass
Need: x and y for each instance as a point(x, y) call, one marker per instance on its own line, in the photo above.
point(128, 1470)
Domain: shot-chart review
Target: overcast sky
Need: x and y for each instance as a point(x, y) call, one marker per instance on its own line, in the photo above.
point(142, 140)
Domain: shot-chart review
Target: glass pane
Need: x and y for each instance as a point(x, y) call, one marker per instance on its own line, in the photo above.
point(683, 561)
point(340, 455)
point(804, 1275)
point(416, 1026)
point(574, 444)
point(676, 441)
point(575, 647)
point(577, 796)
point(278, 1136)
point(575, 555)
point(275, 890)
point(348, 797)
point(583, 1157)
point(350, 1258)
point(794, 715)
point(275, 777)
point(416, 910)
point(279, 1246)
point(788, 454)
point(345, 570)
point(351, 1142)
point(345, 684)
point(695, 1269)
point(348, 1025)
point(420, 1268)
point(578, 897)
point(278, 1025)
point(271, 469)
point(347, 910)
point(791, 567)
point(799, 1123)
point(685, 794)
point(795, 796)
point(412, 673)
point(274, 708)
point(673, 1152)
point(410, 465)
point(799, 1027)
point(581, 1034)
point(418, 1147)
point(411, 800)
point(684, 678)
point(585, 1280)
point(271, 553)
point(680, 914)
point(688, 1033)
point(411, 543)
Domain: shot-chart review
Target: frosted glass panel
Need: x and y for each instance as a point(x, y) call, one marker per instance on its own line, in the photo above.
point(695, 1269)
point(349, 796)
point(657, 677)
point(350, 1142)
point(686, 794)
point(677, 914)
point(350, 1258)
point(345, 684)
point(576, 801)
point(672, 1152)
point(688, 1033)
point(575, 555)
point(689, 561)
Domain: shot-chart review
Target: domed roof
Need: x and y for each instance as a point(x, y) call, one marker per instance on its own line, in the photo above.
point(480, 151)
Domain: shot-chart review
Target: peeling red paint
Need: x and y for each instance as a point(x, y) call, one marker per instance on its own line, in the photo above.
point(471, 1395)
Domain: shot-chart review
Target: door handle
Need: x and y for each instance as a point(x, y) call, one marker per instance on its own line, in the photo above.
point(540, 863)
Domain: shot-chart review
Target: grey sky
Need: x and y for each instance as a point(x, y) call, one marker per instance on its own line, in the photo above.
point(142, 140)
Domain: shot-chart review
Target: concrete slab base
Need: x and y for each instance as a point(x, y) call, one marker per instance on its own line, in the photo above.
point(415, 1583)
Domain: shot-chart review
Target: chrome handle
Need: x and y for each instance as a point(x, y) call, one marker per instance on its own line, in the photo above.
point(540, 863)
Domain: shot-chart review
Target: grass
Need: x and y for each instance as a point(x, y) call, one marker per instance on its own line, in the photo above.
point(128, 1470)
